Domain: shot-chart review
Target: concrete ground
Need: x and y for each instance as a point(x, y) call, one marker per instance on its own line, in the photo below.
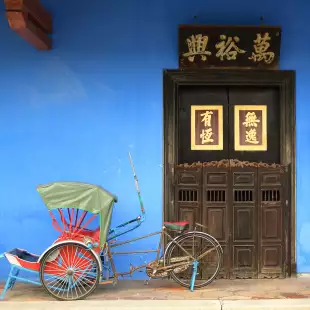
point(290, 294)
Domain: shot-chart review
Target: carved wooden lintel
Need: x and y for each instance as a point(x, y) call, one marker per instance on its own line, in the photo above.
point(232, 163)
point(31, 21)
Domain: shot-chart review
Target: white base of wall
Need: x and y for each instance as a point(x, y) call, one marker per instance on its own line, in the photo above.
point(275, 304)
point(303, 275)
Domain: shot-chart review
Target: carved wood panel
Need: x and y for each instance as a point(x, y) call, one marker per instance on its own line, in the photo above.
point(244, 209)
point(243, 222)
point(215, 209)
point(271, 219)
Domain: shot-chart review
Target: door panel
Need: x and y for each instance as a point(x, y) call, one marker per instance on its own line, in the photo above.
point(215, 209)
point(243, 221)
point(199, 95)
point(257, 96)
point(271, 217)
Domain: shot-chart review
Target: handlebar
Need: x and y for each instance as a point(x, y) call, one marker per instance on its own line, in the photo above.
point(200, 225)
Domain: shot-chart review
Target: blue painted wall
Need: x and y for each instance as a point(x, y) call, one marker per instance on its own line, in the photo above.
point(75, 112)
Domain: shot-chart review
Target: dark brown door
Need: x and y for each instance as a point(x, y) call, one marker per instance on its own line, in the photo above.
point(268, 96)
point(241, 204)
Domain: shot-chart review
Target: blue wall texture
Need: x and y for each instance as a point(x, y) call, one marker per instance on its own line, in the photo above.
point(74, 113)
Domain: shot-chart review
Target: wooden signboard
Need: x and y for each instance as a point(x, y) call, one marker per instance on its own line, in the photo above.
point(206, 127)
point(31, 21)
point(250, 123)
point(229, 46)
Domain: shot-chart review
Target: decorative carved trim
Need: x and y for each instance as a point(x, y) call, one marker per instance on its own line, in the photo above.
point(232, 163)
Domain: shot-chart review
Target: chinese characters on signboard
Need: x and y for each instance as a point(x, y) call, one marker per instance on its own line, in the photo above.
point(250, 128)
point(206, 127)
point(253, 47)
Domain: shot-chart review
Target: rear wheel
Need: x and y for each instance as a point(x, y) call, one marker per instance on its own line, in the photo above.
point(196, 244)
point(69, 271)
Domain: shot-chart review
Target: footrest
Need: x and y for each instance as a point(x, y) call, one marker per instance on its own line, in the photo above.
point(22, 258)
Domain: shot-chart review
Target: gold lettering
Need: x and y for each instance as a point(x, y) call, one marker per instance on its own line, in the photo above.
point(206, 118)
point(251, 120)
point(261, 46)
point(206, 136)
point(228, 48)
point(197, 45)
point(250, 136)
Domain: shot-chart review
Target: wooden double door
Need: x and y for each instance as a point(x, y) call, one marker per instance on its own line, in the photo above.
point(244, 208)
point(241, 196)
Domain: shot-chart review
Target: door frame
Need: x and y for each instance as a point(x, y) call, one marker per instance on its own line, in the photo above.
point(284, 80)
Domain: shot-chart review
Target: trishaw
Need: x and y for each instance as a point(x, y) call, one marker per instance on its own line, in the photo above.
point(81, 258)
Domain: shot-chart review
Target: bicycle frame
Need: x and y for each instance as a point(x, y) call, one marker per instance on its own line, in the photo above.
point(132, 269)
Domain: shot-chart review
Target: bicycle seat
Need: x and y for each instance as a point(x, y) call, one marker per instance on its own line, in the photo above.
point(177, 226)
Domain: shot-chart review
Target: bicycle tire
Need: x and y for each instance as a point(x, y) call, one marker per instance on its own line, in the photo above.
point(204, 236)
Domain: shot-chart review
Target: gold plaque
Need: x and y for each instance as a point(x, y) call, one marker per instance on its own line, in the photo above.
point(250, 127)
point(206, 127)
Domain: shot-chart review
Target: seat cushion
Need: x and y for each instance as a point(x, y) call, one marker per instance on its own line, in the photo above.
point(177, 226)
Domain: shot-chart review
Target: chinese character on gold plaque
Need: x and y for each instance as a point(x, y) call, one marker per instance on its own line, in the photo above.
point(250, 128)
point(228, 48)
point(197, 45)
point(261, 48)
point(206, 127)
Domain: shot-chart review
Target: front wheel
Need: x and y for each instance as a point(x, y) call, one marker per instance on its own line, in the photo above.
point(69, 271)
point(204, 250)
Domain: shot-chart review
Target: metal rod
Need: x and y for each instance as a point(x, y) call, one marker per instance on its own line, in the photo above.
point(173, 266)
point(136, 184)
point(159, 245)
point(207, 252)
point(133, 269)
point(135, 252)
point(106, 282)
point(76, 217)
point(112, 262)
point(135, 239)
point(124, 232)
point(26, 280)
point(179, 245)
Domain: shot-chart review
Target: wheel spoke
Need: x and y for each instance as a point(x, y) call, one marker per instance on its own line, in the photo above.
point(72, 275)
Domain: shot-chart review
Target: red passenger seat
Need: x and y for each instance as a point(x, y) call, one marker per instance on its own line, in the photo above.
point(177, 226)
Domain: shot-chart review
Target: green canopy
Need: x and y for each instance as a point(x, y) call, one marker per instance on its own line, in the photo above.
point(83, 196)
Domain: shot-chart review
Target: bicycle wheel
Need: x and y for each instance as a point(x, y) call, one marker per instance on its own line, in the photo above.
point(69, 271)
point(196, 244)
